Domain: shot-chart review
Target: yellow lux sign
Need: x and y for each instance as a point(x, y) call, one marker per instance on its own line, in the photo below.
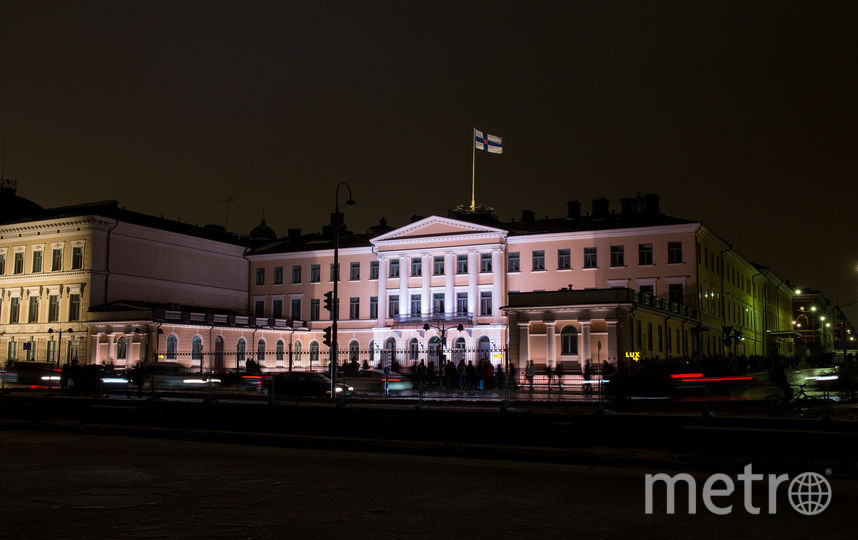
point(634, 355)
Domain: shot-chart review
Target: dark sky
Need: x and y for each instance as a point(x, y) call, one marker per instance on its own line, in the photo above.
point(742, 114)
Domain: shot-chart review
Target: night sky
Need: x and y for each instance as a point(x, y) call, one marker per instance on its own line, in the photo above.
point(742, 114)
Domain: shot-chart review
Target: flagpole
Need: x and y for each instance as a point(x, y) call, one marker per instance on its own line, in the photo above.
point(473, 167)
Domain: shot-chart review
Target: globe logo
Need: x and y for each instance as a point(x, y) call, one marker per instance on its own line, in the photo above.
point(809, 493)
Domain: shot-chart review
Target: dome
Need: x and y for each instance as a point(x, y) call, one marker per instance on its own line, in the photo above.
point(263, 232)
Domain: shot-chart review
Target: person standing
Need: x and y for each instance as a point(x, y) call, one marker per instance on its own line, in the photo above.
point(528, 374)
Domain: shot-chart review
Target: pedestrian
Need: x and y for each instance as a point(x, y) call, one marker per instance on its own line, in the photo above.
point(500, 377)
point(64, 378)
point(587, 378)
point(548, 373)
point(559, 373)
point(461, 373)
point(528, 374)
point(421, 376)
point(472, 375)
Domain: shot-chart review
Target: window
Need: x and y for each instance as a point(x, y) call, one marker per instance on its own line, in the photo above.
point(314, 309)
point(77, 258)
point(438, 303)
point(278, 354)
point(660, 339)
point(644, 254)
point(638, 334)
point(618, 256)
point(354, 351)
point(462, 303)
point(3, 266)
point(33, 315)
point(12, 352)
point(354, 271)
point(675, 293)
point(674, 252)
point(51, 351)
point(277, 309)
point(438, 266)
point(415, 304)
point(538, 260)
point(416, 267)
point(486, 303)
point(14, 310)
point(373, 270)
point(296, 309)
point(196, 348)
point(37, 261)
point(413, 349)
point(354, 308)
point(57, 260)
point(649, 336)
point(461, 264)
point(278, 275)
point(564, 259)
point(172, 347)
point(297, 352)
point(393, 268)
point(393, 305)
point(259, 308)
point(513, 262)
point(314, 352)
point(334, 273)
point(74, 307)
point(19, 263)
point(296, 272)
point(485, 262)
point(315, 273)
point(569, 340)
point(373, 307)
point(649, 289)
point(260, 276)
point(590, 258)
point(260, 351)
point(240, 350)
point(53, 308)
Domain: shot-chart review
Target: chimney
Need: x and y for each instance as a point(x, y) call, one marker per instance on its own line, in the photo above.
point(573, 209)
point(601, 208)
point(527, 216)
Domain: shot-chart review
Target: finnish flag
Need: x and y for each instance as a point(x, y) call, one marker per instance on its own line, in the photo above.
point(488, 143)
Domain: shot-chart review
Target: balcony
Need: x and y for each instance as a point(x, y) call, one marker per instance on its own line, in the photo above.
point(432, 318)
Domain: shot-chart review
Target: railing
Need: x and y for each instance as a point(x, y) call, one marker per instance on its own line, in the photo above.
point(458, 317)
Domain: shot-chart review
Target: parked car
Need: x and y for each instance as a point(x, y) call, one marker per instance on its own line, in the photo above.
point(33, 374)
point(371, 381)
point(304, 383)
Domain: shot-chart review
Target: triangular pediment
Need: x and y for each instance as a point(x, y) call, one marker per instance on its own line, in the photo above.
point(436, 226)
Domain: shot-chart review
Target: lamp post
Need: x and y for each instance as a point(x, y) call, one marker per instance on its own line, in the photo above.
point(442, 357)
point(336, 301)
point(60, 345)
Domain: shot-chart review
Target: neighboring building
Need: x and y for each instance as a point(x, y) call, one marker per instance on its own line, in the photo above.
point(824, 329)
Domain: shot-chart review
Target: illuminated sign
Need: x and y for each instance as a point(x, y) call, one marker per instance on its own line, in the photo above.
point(634, 355)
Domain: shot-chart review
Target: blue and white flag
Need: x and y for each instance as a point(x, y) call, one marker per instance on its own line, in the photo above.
point(488, 143)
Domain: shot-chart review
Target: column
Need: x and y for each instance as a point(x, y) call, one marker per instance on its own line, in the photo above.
point(426, 293)
point(585, 354)
point(449, 276)
point(613, 355)
point(523, 344)
point(95, 352)
point(473, 291)
point(382, 292)
point(111, 349)
point(497, 283)
point(404, 300)
point(550, 348)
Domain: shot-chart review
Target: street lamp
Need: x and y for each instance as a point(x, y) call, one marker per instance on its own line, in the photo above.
point(60, 346)
point(443, 329)
point(336, 301)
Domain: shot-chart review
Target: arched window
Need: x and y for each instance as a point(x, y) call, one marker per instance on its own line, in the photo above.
point(314, 352)
point(172, 347)
point(388, 355)
point(218, 354)
point(279, 353)
point(240, 349)
point(296, 353)
point(434, 349)
point(197, 348)
point(260, 351)
point(372, 351)
point(354, 350)
point(459, 350)
point(413, 349)
point(569, 340)
point(121, 349)
point(484, 346)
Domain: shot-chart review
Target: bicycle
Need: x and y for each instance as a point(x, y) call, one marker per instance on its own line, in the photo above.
point(800, 403)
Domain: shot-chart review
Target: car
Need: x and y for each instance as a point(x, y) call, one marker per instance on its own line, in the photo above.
point(33, 374)
point(372, 381)
point(304, 383)
point(170, 376)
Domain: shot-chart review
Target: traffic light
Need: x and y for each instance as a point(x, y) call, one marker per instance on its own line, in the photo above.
point(329, 301)
point(739, 338)
point(327, 339)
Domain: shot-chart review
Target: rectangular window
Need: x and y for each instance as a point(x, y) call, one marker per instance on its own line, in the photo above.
point(277, 309)
point(314, 309)
point(296, 309)
point(486, 303)
point(675, 293)
point(538, 260)
point(462, 303)
point(438, 266)
point(660, 339)
point(513, 262)
point(674, 252)
point(278, 275)
point(564, 259)
point(485, 262)
point(57, 260)
point(373, 307)
point(74, 307)
point(354, 308)
point(644, 254)
point(647, 289)
point(638, 334)
point(649, 336)
point(393, 268)
point(461, 264)
point(12, 352)
point(334, 273)
point(354, 271)
point(438, 303)
point(416, 267)
point(77, 258)
point(296, 272)
point(415, 304)
point(393, 305)
point(618, 256)
point(37, 261)
point(33, 314)
point(315, 273)
point(259, 308)
point(260, 276)
point(53, 308)
point(590, 258)
point(51, 351)
point(2, 264)
point(19, 263)
point(373, 269)
point(14, 310)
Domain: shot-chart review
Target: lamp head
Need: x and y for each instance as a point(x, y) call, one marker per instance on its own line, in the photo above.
point(350, 202)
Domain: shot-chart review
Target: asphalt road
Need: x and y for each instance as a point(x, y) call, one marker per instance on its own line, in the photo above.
point(64, 485)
